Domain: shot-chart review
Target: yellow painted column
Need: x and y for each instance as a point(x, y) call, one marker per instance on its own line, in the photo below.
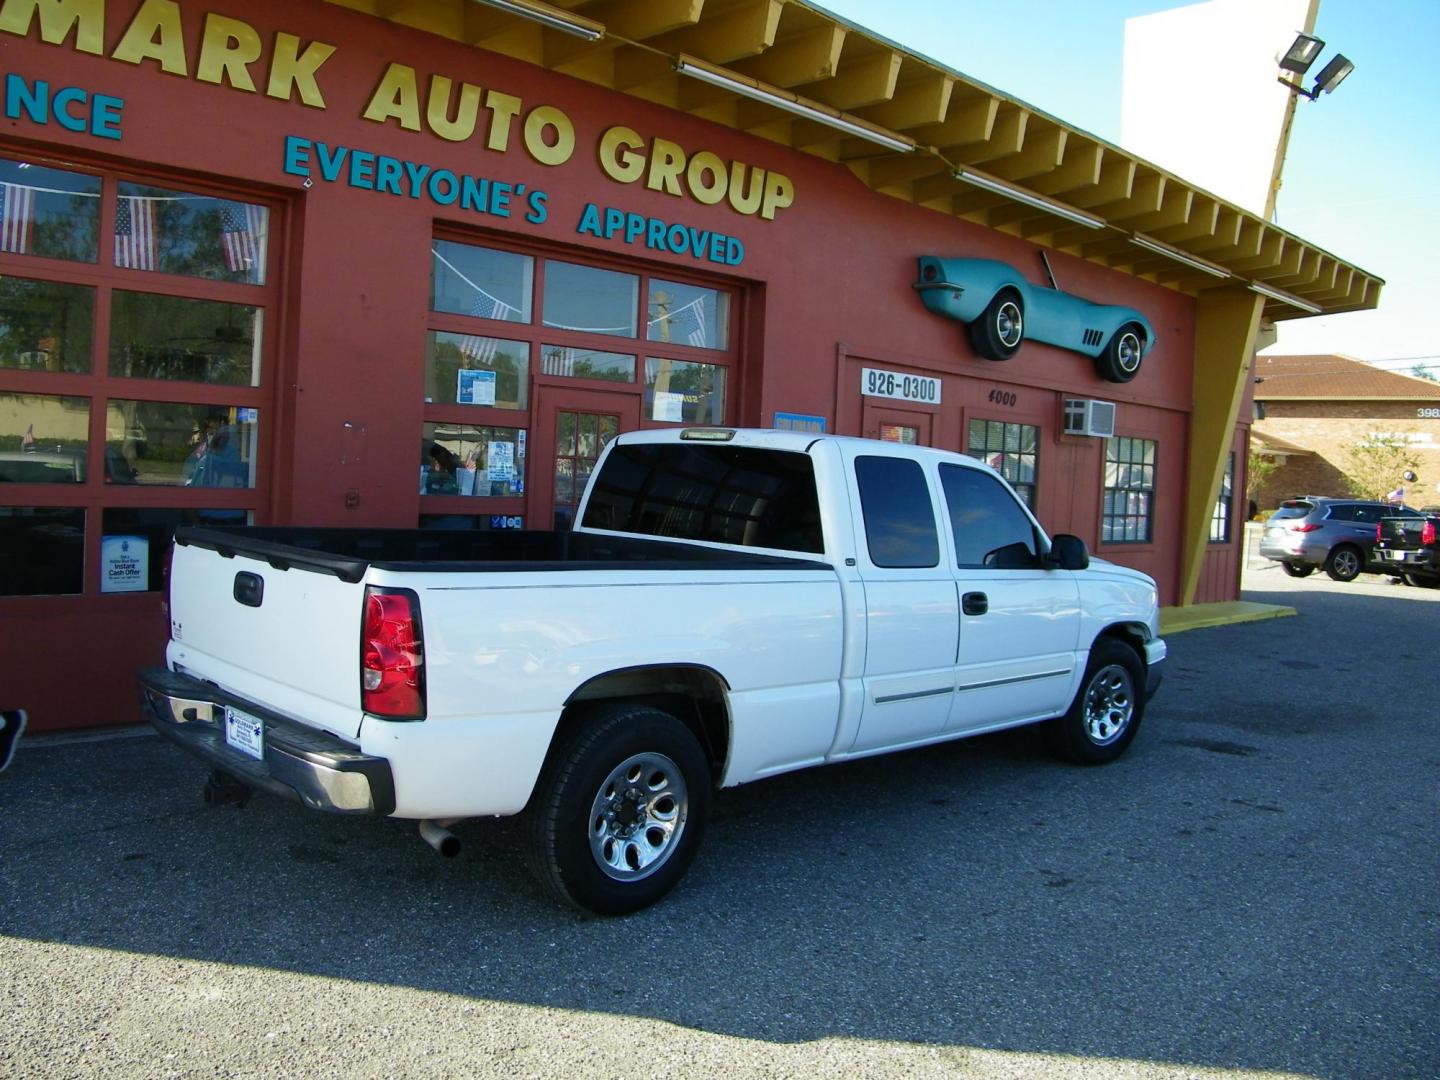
point(1226, 324)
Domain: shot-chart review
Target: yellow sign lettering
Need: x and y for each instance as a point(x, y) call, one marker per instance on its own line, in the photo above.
point(618, 157)
point(542, 150)
point(437, 109)
point(57, 18)
point(779, 193)
point(154, 34)
point(503, 109)
point(227, 49)
point(667, 162)
point(396, 98)
point(292, 69)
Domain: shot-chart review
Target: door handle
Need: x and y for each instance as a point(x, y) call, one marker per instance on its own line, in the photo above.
point(975, 603)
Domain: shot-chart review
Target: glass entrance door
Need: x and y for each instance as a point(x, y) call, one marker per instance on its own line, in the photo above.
point(577, 425)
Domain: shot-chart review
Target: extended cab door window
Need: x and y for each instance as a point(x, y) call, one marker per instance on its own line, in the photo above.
point(898, 512)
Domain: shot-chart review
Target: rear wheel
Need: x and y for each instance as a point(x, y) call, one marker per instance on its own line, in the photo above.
point(1297, 569)
point(998, 332)
point(619, 810)
point(1103, 718)
point(1345, 563)
point(1423, 581)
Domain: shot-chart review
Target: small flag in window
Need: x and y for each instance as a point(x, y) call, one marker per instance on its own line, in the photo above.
point(135, 232)
point(17, 214)
point(242, 233)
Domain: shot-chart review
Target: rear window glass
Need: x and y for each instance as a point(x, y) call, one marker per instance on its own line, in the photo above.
point(1291, 510)
point(727, 494)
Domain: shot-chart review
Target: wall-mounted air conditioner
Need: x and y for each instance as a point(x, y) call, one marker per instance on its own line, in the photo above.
point(1086, 417)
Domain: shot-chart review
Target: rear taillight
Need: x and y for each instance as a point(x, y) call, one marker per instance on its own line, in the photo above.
point(1304, 526)
point(392, 655)
point(1379, 533)
point(1427, 533)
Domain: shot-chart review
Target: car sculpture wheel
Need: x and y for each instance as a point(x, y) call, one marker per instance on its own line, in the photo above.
point(1120, 362)
point(997, 334)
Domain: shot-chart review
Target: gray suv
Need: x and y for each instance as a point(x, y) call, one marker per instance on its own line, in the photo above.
point(1338, 534)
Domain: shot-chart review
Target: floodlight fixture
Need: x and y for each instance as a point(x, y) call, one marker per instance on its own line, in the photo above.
point(1301, 54)
point(1331, 75)
point(552, 17)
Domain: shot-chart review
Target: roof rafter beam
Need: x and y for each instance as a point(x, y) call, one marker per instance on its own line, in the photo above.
point(747, 29)
point(865, 80)
point(915, 103)
point(797, 59)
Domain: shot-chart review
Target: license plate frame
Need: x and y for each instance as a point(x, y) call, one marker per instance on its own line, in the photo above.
point(245, 733)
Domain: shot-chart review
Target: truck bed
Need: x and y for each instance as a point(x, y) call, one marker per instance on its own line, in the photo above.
point(349, 553)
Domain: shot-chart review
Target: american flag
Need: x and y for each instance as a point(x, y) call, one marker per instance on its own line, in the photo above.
point(558, 360)
point(475, 346)
point(135, 232)
point(687, 321)
point(242, 235)
point(17, 214)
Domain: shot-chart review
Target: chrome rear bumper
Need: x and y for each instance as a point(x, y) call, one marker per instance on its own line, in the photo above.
point(300, 763)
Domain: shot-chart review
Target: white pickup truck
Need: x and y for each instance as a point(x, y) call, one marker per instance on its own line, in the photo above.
point(733, 604)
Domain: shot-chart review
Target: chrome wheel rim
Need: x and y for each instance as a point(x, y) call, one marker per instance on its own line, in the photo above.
point(1009, 324)
point(1109, 704)
point(1127, 352)
point(638, 816)
point(1347, 562)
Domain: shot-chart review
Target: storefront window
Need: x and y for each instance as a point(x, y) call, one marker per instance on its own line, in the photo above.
point(168, 337)
point(135, 543)
point(42, 551)
point(53, 213)
point(589, 300)
point(1129, 491)
point(160, 443)
point(688, 315)
point(457, 459)
point(1009, 449)
point(481, 282)
point(579, 438)
point(45, 325)
point(683, 392)
point(44, 439)
point(466, 369)
point(176, 232)
point(577, 363)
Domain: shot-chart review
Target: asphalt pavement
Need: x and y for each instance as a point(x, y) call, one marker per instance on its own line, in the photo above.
point(1253, 890)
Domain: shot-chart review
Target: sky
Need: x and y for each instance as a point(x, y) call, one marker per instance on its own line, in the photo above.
point(1362, 174)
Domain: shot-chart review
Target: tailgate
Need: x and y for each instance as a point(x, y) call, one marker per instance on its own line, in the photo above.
point(293, 646)
point(1397, 532)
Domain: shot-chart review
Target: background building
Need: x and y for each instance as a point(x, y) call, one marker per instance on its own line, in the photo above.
point(411, 264)
point(1327, 407)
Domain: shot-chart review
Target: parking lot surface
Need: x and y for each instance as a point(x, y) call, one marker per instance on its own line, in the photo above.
point(1252, 891)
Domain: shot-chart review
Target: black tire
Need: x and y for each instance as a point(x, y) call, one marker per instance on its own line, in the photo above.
point(1423, 581)
point(1345, 562)
point(1297, 569)
point(1000, 330)
point(638, 844)
point(1107, 710)
point(1120, 362)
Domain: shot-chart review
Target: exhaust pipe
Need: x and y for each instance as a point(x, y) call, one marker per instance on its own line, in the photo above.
point(438, 835)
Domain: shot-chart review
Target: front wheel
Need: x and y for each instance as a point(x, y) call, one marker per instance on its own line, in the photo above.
point(1297, 569)
point(998, 332)
point(1103, 718)
point(619, 810)
point(1345, 563)
point(1120, 362)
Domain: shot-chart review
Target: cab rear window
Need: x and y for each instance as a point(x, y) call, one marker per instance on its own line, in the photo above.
point(726, 494)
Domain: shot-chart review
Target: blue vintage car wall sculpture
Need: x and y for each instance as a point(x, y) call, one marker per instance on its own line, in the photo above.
point(1002, 309)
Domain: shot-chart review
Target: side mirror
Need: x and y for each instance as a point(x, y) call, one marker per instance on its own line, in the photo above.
point(1068, 553)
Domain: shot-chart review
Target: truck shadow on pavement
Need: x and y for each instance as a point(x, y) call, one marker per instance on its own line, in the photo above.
point(1194, 902)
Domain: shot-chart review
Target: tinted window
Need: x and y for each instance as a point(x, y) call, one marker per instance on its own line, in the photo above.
point(1291, 510)
point(899, 520)
point(1342, 513)
point(728, 494)
point(989, 527)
